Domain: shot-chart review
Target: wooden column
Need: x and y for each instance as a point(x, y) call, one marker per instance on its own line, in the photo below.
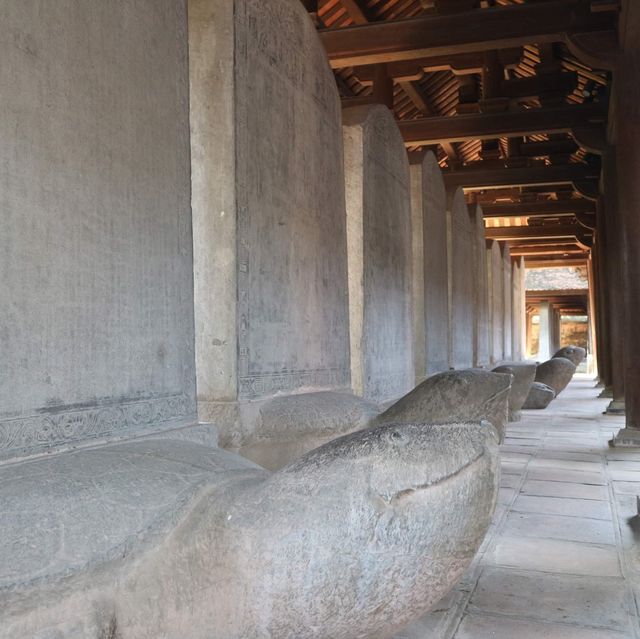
point(627, 133)
point(614, 282)
point(601, 302)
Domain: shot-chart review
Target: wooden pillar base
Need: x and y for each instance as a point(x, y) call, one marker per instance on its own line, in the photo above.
point(626, 438)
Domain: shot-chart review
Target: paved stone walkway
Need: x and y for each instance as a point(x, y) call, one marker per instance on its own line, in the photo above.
point(562, 558)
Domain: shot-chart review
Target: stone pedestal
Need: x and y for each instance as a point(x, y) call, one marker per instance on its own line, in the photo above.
point(379, 247)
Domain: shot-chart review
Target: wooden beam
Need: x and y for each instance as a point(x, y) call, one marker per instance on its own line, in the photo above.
point(549, 231)
point(554, 262)
point(355, 11)
point(552, 249)
point(545, 148)
point(469, 31)
point(538, 208)
point(560, 83)
point(517, 176)
point(460, 64)
point(486, 126)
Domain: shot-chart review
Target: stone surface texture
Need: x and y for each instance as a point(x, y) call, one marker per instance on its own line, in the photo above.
point(96, 273)
point(540, 396)
point(379, 240)
point(556, 373)
point(468, 395)
point(268, 202)
point(172, 539)
point(462, 282)
point(495, 270)
point(519, 330)
point(481, 291)
point(524, 374)
point(436, 283)
point(575, 354)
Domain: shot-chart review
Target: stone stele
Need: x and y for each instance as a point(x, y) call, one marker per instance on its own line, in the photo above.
point(540, 396)
point(524, 374)
point(576, 354)
point(467, 395)
point(556, 373)
point(173, 539)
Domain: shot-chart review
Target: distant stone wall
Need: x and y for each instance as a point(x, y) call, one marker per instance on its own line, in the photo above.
point(462, 276)
point(268, 193)
point(379, 241)
point(96, 325)
point(436, 282)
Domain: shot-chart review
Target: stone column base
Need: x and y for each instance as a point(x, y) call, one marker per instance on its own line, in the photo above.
point(615, 407)
point(607, 393)
point(626, 438)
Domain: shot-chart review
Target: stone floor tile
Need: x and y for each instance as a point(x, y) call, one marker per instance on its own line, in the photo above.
point(511, 481)
point(550, 453)
point(488, 627)
point(552, 555)
point(627, 464)
point(589, 601)
point(513, 468)
point(565, 489)
point(624, 475)
point(627, 487)
point(521, 458)
point(563, 506)
point(566, 464)
point(506, 495)
point(575, 476)
point(592, 531)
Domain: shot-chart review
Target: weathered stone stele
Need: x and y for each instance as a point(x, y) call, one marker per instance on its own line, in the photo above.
point(519, 330)
point(556, 373)
point(507, 306)
point(540, 396)
point(268, 204)
point(495, 273)
point(379, 253)
point(468, 395)
point(96, 274)
point(524, 374)
point(436, 315)
point(481, 290)
point(173, 539)
point(575, 354)
point(417, 273)
point(462, 277)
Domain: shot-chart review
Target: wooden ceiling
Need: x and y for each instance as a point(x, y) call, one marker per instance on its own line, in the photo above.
point(512, 95)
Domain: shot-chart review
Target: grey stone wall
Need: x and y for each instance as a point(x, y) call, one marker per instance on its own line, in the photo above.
point(96, 328)
point(270, 240)
point(507, 308)
point(379, 243)
point(495, 271)
point(481, 289)
point(462, 276)
point(436, 284)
